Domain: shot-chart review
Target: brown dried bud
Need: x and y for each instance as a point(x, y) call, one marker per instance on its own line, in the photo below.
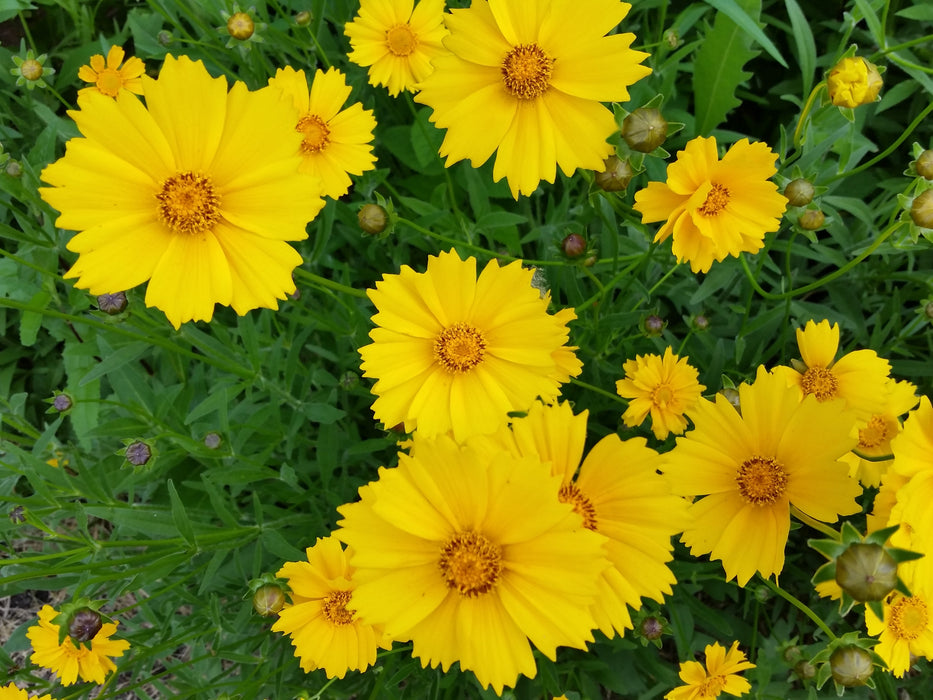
point(84, 625)
point(616, 176)
point(372, 218)
point(112, 304)
point(799, 192)
point(644, 130)
point(812, 220)
point(866, 572)
point(924, 165)
point(921, 211)
point(268, 600)
point(573, 245)
point(851, 666)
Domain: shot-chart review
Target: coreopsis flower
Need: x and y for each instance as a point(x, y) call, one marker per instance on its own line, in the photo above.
point(749, 468)
point(470, 558)
point(853, 82)
point(714, 208)
point(910, 478)
point(719, 675)
point(11, 692)
point(89, 660)
point(451, 352)
point(906, 628)
point(325, 629)
point(397, 41)
point(197, 193)
point(538, 73)
point(860, 377)
point(666, 387)
point(109, 77)
point(337, 142)
point(632, 507)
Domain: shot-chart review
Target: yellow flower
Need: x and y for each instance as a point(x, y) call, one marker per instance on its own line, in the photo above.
point(470, 557)
point(11, 692)
point(853, 82)
point(715, 208)
point(719, 675)
point(323, 625)
point(336, 141)
point(91, 661)
point(109, 77)
point(859, 377)
point(666, 387)
point(455, 353)
point(907, 626)
point(537, 72)
point(197, 192)
point(396, 41)
point(751, 467)
point(632, 507)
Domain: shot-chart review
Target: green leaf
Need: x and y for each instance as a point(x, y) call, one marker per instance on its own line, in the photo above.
point(924, 13)
point(806, 47)
point(180, 515)
point(79, 360)
point(717, 70)
point(322, 413)
point(745, 15)
point(871, 19)
point(32, 320)
point(114, 360)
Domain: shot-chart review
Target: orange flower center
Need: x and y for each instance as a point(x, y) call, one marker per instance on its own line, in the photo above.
point(240, 26)
point(334, 608)
point(109, 82)
point(401, 40)
point(459, 348)
point(526, 71)
point(31, 69)
point(188, 203)
point(712, 687)
point(908, 618)
point(716, 200)
point(570, 493)
point(761, 480)
point(470, 563)
point(874, 434)
point(316, 133)
point(820, 382)
point(662, 395)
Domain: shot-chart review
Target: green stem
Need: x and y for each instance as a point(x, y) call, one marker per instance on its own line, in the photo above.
point(800, 606)
point(897, 47)
point(598, 390)
point(329, 284)
point(806, 111)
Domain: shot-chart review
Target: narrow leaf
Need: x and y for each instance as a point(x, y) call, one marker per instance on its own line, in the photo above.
point(180, 516)
point(806, 47)
point(749, 24)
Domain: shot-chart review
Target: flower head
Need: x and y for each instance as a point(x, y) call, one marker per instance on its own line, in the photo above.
point(11, 692)
point(906, 627)
point(336, 142)
point(453, 352)
point(91, 661)
point(470, 558)
point(325, 629)
point(398, 42)
point(538, 72)
point(666, 387)
point(720, 675)
point(751, 467)
point(853, 82)
point(715, 208)
point(110, 77)
point(196, 193)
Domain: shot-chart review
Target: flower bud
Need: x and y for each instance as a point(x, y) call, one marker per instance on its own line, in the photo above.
point(590, 260)
point(762, 594)
point(672, 38)
point(17, 515)
point(799, 192)
point(812, 220)
point(928, 310)
point(733, 397)
point(31, 69)
point(701, 322)
point(792, 655)
point(853, 82)
point(62, 403)
point(13, 168)
point(616, 176)
point(303, 19)
point(212, 440)
point(653, 325)
point(866, 572)
point(921, 211)
point(112, 304)
point(240, 26)
point(573, 245)
point(924, 165)
point(164, 38)
point(138, 453)
point(851, 666)
point(84, 625)
point(268, 600)
point(644, 130)
point(652, 628)
point(372, 218)
point(804, 670)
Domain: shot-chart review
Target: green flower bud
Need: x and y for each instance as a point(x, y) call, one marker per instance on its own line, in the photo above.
point(799, 192)
point(653, 325)
point(851, 666)
point(372, 218)
point(866, 572)
point(268, 600)
point(812, 220)
point(616, 175)
point(924, 165)
point(804, 670)
point(303, 19)
point(644, 130)
point(240, 26)
point(921, 211)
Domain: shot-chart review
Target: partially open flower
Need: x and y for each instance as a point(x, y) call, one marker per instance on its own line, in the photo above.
point(853, 82)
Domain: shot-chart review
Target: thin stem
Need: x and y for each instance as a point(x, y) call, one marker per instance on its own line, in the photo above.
point(815, 524)
point(598, 390)
point(329, 284)
point(800, 606)
point(806, 111)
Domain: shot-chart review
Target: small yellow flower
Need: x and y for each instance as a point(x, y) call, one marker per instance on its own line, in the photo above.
point(666, 387)
point(109, 77)
point(11, 692)
point(853, 82)
point(906, 629)
point(719, 675)
point(70, 660)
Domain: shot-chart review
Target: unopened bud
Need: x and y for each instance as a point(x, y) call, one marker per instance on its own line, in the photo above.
point(17, 515)
point(804, 670)
point(672, 38)
point(921, 211)
point(851, 666)
point(701, 322)
point(799, 192)
point(924, 165)
point(733, 397)
point(616, 175)
point(644, 130)
point(866, 572)
point(928, 310)
point(62, 403)
point(853, 82)
point(303, 19)
point(653, 325)
point(268, 600)
point(573, 245)
point(762, 594)
point(212, 440)
point(84, 625)
point(138, 453)
point(792, 655)
point(590, 260)
point(164, 38)
point(112, 304)
point(31, 69)
point(652, 628)
point(13, 168)
point(812, 220)
point(240, 26)
point(372, 218)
